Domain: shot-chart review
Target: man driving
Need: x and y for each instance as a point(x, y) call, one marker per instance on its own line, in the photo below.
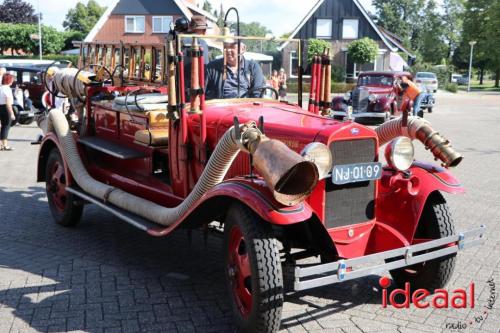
point(221, 77)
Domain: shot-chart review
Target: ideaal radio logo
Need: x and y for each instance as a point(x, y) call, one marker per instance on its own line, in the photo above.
point(460, 298)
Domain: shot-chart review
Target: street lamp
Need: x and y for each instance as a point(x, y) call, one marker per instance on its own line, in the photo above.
point(39, 30)
point(471, 43)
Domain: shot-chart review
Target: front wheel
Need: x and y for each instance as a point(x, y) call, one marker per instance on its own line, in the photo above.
point(253, 271)
point(429, 110)
point(435, 222)
point(64, 207)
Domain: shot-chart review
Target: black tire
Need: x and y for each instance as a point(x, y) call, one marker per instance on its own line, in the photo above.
point(429, 110)
point(252, 267)
point(64, 207)
point(420, 113)
point(26, 121)
point(435, 222)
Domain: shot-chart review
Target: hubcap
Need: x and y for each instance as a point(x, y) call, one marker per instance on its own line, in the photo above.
point(56, 186)
point(239, 271)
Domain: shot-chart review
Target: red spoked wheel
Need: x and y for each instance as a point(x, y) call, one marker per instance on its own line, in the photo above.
point(239, 271)
point(56, 186)
point(253, 271)
point(65, 208)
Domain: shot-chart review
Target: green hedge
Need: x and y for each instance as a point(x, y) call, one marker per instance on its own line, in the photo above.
point(337, 87)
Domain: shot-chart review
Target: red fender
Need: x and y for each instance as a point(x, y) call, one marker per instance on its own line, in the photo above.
point(401, 201)
point(50, 141)
point(255, 194)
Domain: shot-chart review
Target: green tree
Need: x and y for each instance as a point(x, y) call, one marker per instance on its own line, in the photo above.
point(433, 48)
point(83, 17)
point(363, 51)
point(17, 11)
point(70, 36)
point(402, 17)
point(316, 47)
point(257, 30)
point(207, 6)
point(453, 11)
point(493, 39)
point(474, 29)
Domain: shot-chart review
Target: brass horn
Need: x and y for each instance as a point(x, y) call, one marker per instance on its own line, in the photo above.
point(288, 175)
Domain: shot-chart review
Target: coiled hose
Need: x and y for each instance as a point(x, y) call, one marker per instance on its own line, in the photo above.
point(420, 129)
point(223, 156)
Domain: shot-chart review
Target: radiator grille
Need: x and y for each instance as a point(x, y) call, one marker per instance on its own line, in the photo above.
point(360, 100)
point(355, 202)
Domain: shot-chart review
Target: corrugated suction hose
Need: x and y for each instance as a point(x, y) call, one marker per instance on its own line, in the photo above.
point(223, 156)
point(420, 129)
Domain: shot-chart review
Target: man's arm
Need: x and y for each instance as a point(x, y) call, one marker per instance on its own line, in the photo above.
point(258, 80)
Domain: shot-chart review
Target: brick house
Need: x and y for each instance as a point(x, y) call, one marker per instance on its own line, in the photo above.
point(143, 21)
point(340, 22)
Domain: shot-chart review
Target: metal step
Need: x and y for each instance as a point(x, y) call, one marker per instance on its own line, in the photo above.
point(130, 218)
point(111, 148)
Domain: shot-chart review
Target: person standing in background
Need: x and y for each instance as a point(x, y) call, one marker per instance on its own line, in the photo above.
point(275, 81)
point(6, 112)
point(282, 84)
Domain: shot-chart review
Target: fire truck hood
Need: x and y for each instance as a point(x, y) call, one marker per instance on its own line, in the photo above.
point(285, 122)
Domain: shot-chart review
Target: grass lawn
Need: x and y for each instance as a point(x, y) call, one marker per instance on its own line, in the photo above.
point(488, 85)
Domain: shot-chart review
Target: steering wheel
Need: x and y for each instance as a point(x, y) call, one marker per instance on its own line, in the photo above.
point(263, 90)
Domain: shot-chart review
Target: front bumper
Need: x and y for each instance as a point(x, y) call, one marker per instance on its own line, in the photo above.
point(330, 273)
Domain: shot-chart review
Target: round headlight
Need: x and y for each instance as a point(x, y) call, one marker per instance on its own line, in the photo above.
point(321, 156)
point(347, 96)
point(399, 153)
point(372, 98)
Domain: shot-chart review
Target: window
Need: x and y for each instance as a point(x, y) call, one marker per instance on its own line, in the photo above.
point(324, 28)
point(350, 29)
point(294, 63)
point(161, 23)
point(134, 24)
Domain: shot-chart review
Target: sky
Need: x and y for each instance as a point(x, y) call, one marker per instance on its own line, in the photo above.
point(280, 16)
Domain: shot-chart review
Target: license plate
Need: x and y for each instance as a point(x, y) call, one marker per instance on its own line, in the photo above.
point(353, 173)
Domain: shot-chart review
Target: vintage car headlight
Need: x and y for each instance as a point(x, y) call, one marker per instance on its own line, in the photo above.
point(347, 96)
point(372, 98)
point(321, 156)
point(399, 153)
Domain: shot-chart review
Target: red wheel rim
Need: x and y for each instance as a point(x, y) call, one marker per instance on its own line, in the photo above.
point(56, 186)
point(240, 274)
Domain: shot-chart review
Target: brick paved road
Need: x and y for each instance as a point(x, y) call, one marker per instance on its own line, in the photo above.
point(105, 276)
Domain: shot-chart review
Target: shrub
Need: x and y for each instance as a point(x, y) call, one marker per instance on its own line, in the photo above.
point(316, 47)
point(451, 87)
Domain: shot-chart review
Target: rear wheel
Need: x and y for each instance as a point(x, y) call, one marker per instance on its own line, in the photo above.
point(253, 271)
point(429, 110)
point(435, 222)
point(64, 207)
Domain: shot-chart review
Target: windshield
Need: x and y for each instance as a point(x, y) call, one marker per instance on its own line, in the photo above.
point(426, 75)
point(375, 80)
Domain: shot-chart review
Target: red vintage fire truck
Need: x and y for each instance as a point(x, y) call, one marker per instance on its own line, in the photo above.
point(282, 182)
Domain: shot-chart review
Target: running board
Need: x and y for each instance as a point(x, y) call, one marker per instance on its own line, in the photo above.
point(130, 218)
point(342, 270)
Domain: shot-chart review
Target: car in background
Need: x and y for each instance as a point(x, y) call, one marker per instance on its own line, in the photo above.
point(375, 97)
point(427, 80)
point(463, 80)
point(28, 89)
point(454, 78)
